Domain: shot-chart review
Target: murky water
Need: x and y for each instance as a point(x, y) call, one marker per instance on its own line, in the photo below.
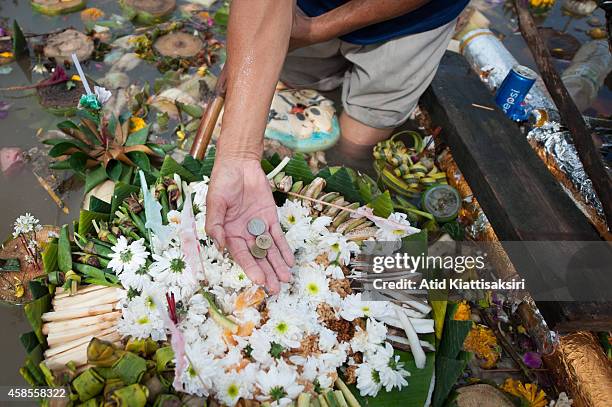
point(22, 192)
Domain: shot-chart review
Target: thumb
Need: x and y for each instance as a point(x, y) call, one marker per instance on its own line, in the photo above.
point(215, 219)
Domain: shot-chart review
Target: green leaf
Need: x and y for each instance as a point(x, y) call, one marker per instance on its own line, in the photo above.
point(86, 218)
point(122, 191)
point(454, 229)
point(37, 288)
point(163, 358)
point(382, 205)
point(298, 168)
point(98, 205)
point(221, 17)
point(341, 181)
point(415, 394)
point(49, 257)
point(60, 165)
point(114, 169)
point(170, 167)
point(29, 341)
point(453, 338)
point(78, 161)
point(34, 310)
point(95, 177)
point(70, 85)
point(10, 265)
point(129, 368)
point(141, 160)
point(64, 255)
point(138, 137)
point(209, 162)
point(61, 148)
point(20, 45)
point(448, 371)
point(194, 111)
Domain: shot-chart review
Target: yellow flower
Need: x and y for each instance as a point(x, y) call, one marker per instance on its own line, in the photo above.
point(92, 14)
point(180, 134)
point(136, 123)
point(463, 311)
point(202, 70)
point(6, 54)
point(75, 78)
point(482, 342)
point(528, 392)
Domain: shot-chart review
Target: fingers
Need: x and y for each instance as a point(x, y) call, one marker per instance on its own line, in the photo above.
point(215, 216)
point(278, 264)
point(272, 283)
point(241, 254)
point(281, 243)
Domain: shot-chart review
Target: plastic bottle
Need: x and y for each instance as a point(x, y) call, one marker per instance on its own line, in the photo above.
point(587, 72)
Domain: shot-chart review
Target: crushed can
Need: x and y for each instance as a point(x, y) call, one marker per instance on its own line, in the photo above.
point(513, 90)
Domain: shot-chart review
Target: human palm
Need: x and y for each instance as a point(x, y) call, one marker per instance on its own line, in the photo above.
point(237, 194)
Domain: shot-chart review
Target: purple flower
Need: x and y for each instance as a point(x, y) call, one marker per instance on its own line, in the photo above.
point(3, 32)
point(4, 109)
point(533, 360)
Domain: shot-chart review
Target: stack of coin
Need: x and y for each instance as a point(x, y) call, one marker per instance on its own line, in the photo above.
point(263, 240)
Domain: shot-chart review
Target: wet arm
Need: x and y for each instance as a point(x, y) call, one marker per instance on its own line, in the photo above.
point(257, 43)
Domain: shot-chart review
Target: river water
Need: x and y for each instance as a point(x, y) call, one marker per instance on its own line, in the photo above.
point(21, 192)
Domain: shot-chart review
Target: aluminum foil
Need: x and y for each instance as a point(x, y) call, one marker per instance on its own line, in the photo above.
point(556, 143)
point(492, 61)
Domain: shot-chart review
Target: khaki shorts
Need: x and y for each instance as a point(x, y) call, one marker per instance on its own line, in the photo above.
point(381, 83)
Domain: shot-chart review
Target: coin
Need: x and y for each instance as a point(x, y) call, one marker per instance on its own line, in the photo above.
point(258, 252)
point(256, 226)
point(264, 241)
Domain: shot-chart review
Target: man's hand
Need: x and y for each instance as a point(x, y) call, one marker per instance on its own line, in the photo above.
point(240, 191)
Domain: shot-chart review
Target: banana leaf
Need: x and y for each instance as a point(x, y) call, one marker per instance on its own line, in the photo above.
point(382, 205)
point(134, 395)
point(170, 167)
point(163, 359)
point(88, 384)
point(98, 205)
point(415, 394)
point(129, 369)
point(95, 177)
point(64, 254)
point(142, 347)
point(122, 191)
point(340, 180)
point(298, 168)
point(20, 45)
point(34, 310)
point(138, 137)
point(86, 218)
point(102, 354)
point(167, 400)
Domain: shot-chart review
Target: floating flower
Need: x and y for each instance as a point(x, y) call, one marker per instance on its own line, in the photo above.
point(529, 392)
point(136, 123)
point(25, 224)
point(92, 14)
point(463, 311)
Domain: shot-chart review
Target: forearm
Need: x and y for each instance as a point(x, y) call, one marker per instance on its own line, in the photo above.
point(257, 43)
point(357, 14)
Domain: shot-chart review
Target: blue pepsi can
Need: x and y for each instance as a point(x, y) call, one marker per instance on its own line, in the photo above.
point(512, 92)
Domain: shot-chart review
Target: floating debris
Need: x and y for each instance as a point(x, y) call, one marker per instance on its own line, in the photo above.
point(178, 45)
point(55, 7)
point(148, 12)
point(62, 45)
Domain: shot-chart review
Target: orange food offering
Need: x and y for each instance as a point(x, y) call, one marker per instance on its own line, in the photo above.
point(249, 298)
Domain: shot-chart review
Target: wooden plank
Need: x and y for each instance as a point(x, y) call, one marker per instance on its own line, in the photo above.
point(520, 197)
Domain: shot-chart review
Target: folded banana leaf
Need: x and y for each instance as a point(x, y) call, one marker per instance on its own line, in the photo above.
point(88, 384)
point(134, 395)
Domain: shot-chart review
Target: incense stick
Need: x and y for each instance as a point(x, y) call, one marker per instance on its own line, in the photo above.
point(81, 74)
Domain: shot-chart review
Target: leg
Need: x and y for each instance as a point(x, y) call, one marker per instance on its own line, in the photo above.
point(386, 81)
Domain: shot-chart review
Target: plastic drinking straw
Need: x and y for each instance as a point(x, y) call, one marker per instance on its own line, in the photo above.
point(81, 74)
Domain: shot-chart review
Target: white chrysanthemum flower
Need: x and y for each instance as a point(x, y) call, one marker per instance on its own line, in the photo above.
point(296, 235)
point(334, 271)
point(396, 228)
point(200, 219)
point(128, 257)
point(260, 345)
point(212, 338)
point(197, 378)
point(138, 280)
point(367, 340)
point(338, 248)
point(391, 372)
point(368, 380)
point(354, 307)
point(293, 213)
point(141, 319)
point(328, 339)
point(235, 278)
point(279, 384)
point(231, 387)
point(200, 190)
point(313, 284)
point(285, 330)
point(171, 269)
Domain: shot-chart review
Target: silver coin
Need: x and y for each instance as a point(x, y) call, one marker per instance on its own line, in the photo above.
point(256, 226)
point(264, 241)
point(258, 252)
